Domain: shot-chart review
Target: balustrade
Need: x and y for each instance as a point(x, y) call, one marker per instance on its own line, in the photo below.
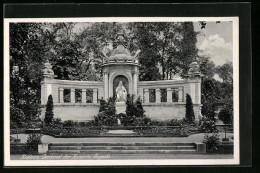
point(170, 95)
point(71, 96)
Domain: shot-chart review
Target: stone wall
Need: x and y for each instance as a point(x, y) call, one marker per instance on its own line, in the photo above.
point(88, 111)
point(169, 111)
point(74, 112)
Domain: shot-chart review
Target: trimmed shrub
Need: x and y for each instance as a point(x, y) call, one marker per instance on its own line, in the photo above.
point(212, 142)
point(175, 122)
point(32, 141)
point(49, 111)
point(57, 121)
point(207, 125)
point(189, 116)
point(107, 113)
point(134, 113)
point(70, 123)
point(142, 121)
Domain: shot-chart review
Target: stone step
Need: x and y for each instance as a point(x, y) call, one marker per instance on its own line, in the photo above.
point(121, 147)
point(124, 151)
point(122, 144)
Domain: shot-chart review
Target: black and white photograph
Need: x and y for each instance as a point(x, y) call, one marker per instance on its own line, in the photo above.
point(121, 91)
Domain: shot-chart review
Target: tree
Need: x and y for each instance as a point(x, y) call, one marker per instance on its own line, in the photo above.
point(167, 48)
point(225, 72)
point(49, 111)
point(226, 116)
point(186, 46)
point(210, 94)
point(17, 116)
point(189, 116)
point(143, 36)
point(27, 47)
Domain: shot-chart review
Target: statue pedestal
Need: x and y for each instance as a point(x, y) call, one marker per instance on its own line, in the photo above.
point(120, 107)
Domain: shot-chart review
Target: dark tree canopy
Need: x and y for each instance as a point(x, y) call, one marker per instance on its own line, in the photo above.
point(225, 115)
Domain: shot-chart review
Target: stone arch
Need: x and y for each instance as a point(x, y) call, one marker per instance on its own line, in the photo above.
point(114, 75)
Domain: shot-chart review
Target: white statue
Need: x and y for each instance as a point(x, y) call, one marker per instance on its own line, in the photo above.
point(121, 92)
point(118, 122)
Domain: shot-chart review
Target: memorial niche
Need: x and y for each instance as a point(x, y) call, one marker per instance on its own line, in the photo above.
point(120, 88)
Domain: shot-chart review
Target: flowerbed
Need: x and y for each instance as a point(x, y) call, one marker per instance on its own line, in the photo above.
point(71, 131)
point(19, 149)
point(178, 131)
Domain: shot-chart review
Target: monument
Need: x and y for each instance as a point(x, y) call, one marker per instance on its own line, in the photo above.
point(121, 93)
point(162, 99)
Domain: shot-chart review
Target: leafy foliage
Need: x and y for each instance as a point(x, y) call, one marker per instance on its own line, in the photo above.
point(134, 113)
point(225, 72)
point(189, 116)
point(57, 121)
point(69, 123)
point(167, 47)
point(173, 122)
point(162, 131)
point(33, 140)
point(213, 91)
point(49, 111)
point(212, 141)
point(17, 117)
point(226, 116)
point(72, 131)
point(27, 47)
point(107, 113)
point(207, 125)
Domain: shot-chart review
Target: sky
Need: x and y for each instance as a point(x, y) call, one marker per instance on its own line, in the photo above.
point(216, 41)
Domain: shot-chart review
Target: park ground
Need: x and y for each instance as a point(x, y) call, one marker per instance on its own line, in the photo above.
point(198, 138)
point(192, 138)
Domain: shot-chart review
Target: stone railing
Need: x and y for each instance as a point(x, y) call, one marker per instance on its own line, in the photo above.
point(169, 91)
point(71, 92)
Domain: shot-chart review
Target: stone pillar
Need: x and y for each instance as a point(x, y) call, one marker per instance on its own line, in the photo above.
point(83, 96)
point(158, 95)
point(169, 95)
point(61, 95)
point(43, 148)
point(180, 94)
point(72, 95)
point(94, 95)
point(146, 95)
point(106, 86)
point(135, 84)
